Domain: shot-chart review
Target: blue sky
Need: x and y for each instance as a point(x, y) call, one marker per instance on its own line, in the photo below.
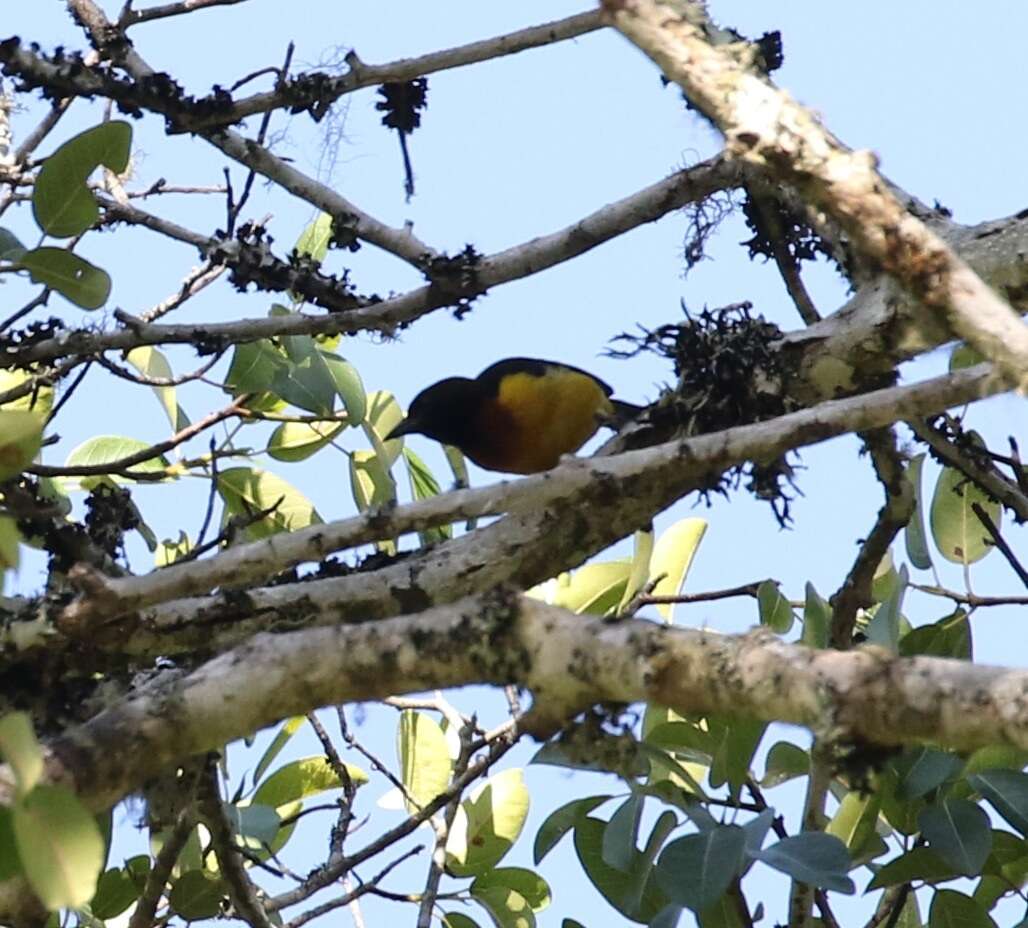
point(523, 146)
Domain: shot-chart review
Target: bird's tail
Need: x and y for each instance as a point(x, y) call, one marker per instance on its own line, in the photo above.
point(623, 414)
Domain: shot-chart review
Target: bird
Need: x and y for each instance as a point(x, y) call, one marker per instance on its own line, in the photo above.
point(519, 416)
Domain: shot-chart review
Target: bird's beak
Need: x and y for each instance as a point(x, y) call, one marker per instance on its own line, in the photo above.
point(406, 427)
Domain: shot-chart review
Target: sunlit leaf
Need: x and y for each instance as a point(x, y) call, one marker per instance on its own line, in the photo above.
point(60, 846)
point(40, 400)
point(107, 449)
point(530, 886)
point(959, 534)
point(10, 538)
point(297, 441)
point(672, 557)
point(488, 822)
point(285, 732)
point(153, 365)
point(596, 588)
point(425, 760)
point(20, 749)
point(248, 490)
point(21, 434)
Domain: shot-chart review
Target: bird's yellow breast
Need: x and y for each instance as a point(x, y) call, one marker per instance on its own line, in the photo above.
point(536, 419)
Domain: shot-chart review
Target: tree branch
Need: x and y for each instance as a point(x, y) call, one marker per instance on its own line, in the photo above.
point(643, 482)
point(764, 127)
point(568, 661)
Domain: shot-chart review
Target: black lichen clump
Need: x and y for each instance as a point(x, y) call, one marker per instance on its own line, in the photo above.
point(455, 280)
point(728, 373)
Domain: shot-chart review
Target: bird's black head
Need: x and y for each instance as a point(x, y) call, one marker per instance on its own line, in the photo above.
point(442, 411)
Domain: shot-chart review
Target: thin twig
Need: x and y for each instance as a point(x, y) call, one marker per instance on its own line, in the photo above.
point(970, 599)
point(146, 906)
point(122, 465)
point(130, 17)
point(1000, 542)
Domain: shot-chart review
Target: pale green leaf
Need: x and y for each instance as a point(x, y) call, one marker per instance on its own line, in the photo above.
point(60, 846)
point(672, 557)
point(20, 749)
point(425, 761)
point(153, 365)
point(248, 490)
point(487, 824)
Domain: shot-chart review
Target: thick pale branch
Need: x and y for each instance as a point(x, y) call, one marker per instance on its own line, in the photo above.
point(765, 127)
point(569, 661)
point(600, 500)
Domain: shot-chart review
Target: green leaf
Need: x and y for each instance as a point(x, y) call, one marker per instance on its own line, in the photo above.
point(1006, 866)
point(61, 202)
point(884, 627)
point(11, 248)
point(921, 769)
point(20, 749)
point(817, 619)
point(257, 822)
point(1007, 792)
point(958, 532)
point(10, 538)
point(854, 821)
point(84, 284)
point(951, 909)
point(487, 824)
point(118, 888)
point(958, 831)
point(617, 887)
point(963, 355)
point(423, 485)
point(425, 759)
point(595, 589)
point(152, 365)
point(349, 386)
point(914, 535)
point(814, 858)
point(672, 556)
point(458, 920)
point(106, 449)
point(10, 862)
point(695, 870)
point(247, 490)
point(530, 886)
point(996, 757)
point(382, 415)
point(775, 611)
point(301, 778)
point(506, 907)
point(254, 368)
point(21, 434)
point(619, 837)
point(737, 741)
point(306, 382)
point(286, 731)
point(39, 401)
point(313, 241)
point(949, 637)
point(60, 846)
point(559, 822)
point(784, 762)
point(168, 551)
point(642, 553)
point(297, 441)
point(197, 894)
